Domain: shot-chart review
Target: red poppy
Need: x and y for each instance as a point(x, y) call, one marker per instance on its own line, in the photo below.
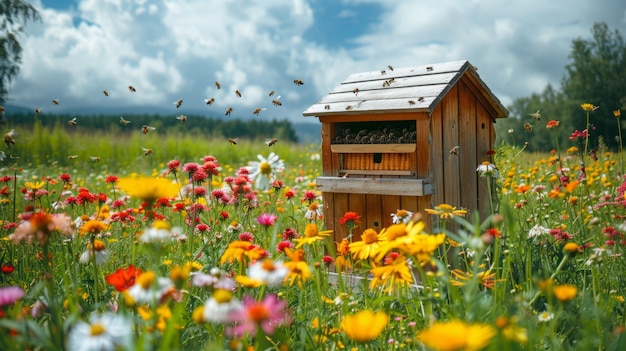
point(123, 279)
point(7, 269)
point(350, 217)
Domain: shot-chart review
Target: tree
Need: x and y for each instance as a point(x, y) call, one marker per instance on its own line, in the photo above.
point(13, 15)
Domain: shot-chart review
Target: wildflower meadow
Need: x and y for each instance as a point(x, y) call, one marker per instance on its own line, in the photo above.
point(212, 252)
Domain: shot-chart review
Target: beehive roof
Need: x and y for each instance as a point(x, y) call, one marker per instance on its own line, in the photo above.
point(410, 89)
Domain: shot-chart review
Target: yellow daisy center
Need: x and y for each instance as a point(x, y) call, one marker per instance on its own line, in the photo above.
point(395, 231)
point(98, 245)
point(268, 265)
point(161, 225)
point(97, 329)
point(146, 279)
point(369, 236)
point(222, 296)
point(265, 168)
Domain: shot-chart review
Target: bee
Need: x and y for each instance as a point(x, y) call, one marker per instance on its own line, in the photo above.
point(182, 118)
point(37, 111)
point(218, 85)
point(382, 71)
point(277, 102)
point(429, 68)
point(349, 107)
point(388, 82)
point(232, 141)
point(146, 129)
point(390, 67)
point(271, 142)
point(229, 111)
point(258, 110)
point(271, 93)
point(55, 101)
point(105, 92)
point(209, 101)
point(528, 127)
point(535, 115)
point(455, 150)
point(123, 121)
point(411, 102)
point(356, 91)
point(9, 138)
point(2, 109)
point(146, 151)
point(327, 107)
point(71, 157)
point(238, 93)
point(298, 82)
point(420, 99)
point(132, 89)
point(178, 103)
point(72, 122)
point(94, 158)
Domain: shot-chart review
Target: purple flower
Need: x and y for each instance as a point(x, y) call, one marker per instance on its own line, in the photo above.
point(267, 314)
point(10, 294)
point(267, 219)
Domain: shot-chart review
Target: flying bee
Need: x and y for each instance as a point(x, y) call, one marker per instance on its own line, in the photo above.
point(528, 127)
point(123, 121)
point(55, 101)
point(420, 99)
point(146, 151)
point(411, 102)
point(182, 118)
point(238, 93)
point(105, 92)
point(271, 142)
point(382, 71)
point(429, 68)
point(232, 141)
point(388, 82)
point(2, 109)
point(349, 107)
point(209, 101)
point(218, 85)
point(277, 102)
point(94, 158)
point(298, 82)
point(132, 89)
point(71, 157)
point(229, 111)
point(455, 150)
point(9, 138)
point(37, 111)
point(356, 91)
point(535, 115)
point(271, 93)
point(146, 129)
point(327, 107)
point(258, 110)
point(390, 67)
point(72, 122)
point(178, 103)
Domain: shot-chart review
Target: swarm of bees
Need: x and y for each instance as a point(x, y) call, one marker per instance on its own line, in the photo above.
point(385, 135)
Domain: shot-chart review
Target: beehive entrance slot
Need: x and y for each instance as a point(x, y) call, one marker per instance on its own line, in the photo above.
point(378, 158)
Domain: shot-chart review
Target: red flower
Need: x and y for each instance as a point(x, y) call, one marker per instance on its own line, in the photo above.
point(65, 177)
point(123, 279)
point(112, 179)
point(350, 217)
point(494, 232)
point(7, 269)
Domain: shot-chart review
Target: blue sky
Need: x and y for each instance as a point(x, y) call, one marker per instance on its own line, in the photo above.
point(177, 49)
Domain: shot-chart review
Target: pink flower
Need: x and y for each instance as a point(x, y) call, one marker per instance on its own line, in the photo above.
point(267, 314)
point(191, 167)
point(267, 219)
point(10, 294)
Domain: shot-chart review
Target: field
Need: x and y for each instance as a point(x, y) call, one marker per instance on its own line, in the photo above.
point(166, 241)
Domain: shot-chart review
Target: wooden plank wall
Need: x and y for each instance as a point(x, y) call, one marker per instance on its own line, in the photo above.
point(468, 152)
point(485, 141)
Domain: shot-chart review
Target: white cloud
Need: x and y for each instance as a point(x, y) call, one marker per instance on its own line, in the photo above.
point(173, 50)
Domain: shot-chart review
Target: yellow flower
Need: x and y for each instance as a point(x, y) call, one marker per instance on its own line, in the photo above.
point(147, 188)
point(34, 186)
point(93, 226)
point(367, 247)
point(391, 275)
point(311, 235)
point(565, 292)
point(571, 248)
point(588, 107)
point(364, 325)
point(238, 250)
point(485, 278)
point(456, 336)
point(617, 113)
point(446, 211)
point(298, 268)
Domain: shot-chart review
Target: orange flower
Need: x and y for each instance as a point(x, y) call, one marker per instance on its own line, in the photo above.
point(350, 218)
point(552, 123)
point(123, 279)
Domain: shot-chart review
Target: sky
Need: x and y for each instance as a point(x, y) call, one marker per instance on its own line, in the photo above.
point(177, 49)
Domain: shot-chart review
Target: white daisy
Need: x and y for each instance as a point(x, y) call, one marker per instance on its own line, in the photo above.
point(270, 272)
point(537, 231)
point(145, 291)
point(220, 306)
point(103, 333)
point(487, 169)
point(401, 216)
point(263, 171)
point(545, 316)
point(98, 250)
point(159, 231)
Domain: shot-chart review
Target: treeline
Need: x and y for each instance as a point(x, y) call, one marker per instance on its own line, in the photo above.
point(595, 75)
point(198, 126)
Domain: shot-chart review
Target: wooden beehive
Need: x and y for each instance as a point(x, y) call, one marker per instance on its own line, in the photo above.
point(387, 138)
